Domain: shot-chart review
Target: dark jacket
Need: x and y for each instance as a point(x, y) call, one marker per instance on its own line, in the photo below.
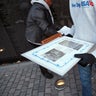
point(39, 24)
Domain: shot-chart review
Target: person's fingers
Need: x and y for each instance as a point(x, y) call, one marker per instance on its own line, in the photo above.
point(79, 55)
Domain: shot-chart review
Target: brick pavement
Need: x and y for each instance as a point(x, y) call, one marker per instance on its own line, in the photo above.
point(25, 79)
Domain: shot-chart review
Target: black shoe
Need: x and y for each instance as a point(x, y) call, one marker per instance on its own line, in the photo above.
point(48, 75)
point(45, 73)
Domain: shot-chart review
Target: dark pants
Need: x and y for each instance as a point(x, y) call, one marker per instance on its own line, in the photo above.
point(44, 71)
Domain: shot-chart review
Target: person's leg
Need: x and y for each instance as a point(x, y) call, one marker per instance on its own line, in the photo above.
point(43, 70)
point(85, 77)
point(45, 73)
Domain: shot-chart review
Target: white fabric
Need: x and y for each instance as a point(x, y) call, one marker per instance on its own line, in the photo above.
point(83, 13)
point(46, 5)
point(84, 18)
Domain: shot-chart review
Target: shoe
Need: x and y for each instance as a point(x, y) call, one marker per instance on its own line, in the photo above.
point(45, 73)
point(48, 75)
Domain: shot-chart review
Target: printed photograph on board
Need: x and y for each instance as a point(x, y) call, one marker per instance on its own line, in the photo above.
point(53, 54)
point(71, 44)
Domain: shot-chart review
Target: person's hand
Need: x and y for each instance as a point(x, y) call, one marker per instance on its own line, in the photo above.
point(86, 59)
point(60, 33)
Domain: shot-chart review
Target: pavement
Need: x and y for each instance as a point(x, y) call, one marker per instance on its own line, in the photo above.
point(25, 79)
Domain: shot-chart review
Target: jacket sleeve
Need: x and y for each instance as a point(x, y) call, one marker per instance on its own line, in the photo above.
point(40, 19)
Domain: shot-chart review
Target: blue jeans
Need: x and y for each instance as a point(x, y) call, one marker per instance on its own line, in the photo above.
point(85, 77)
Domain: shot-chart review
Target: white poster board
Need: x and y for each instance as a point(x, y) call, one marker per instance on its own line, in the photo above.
point(58, 55)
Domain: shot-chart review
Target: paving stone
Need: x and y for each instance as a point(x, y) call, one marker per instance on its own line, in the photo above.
point(35, 93)
point(25, 79)
point(22, 94)
point(68, 94)
point(29, 91)
point(17, 93)
point(41, 94)
point(4, 94)
point(67, 89)
point(61, 93)
point(41, 89)
point(30, 85)
point(10, 94)
point(48, 90)
point(48, 94)
point(28, 94)
point(19, 87)
point(12, 91)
